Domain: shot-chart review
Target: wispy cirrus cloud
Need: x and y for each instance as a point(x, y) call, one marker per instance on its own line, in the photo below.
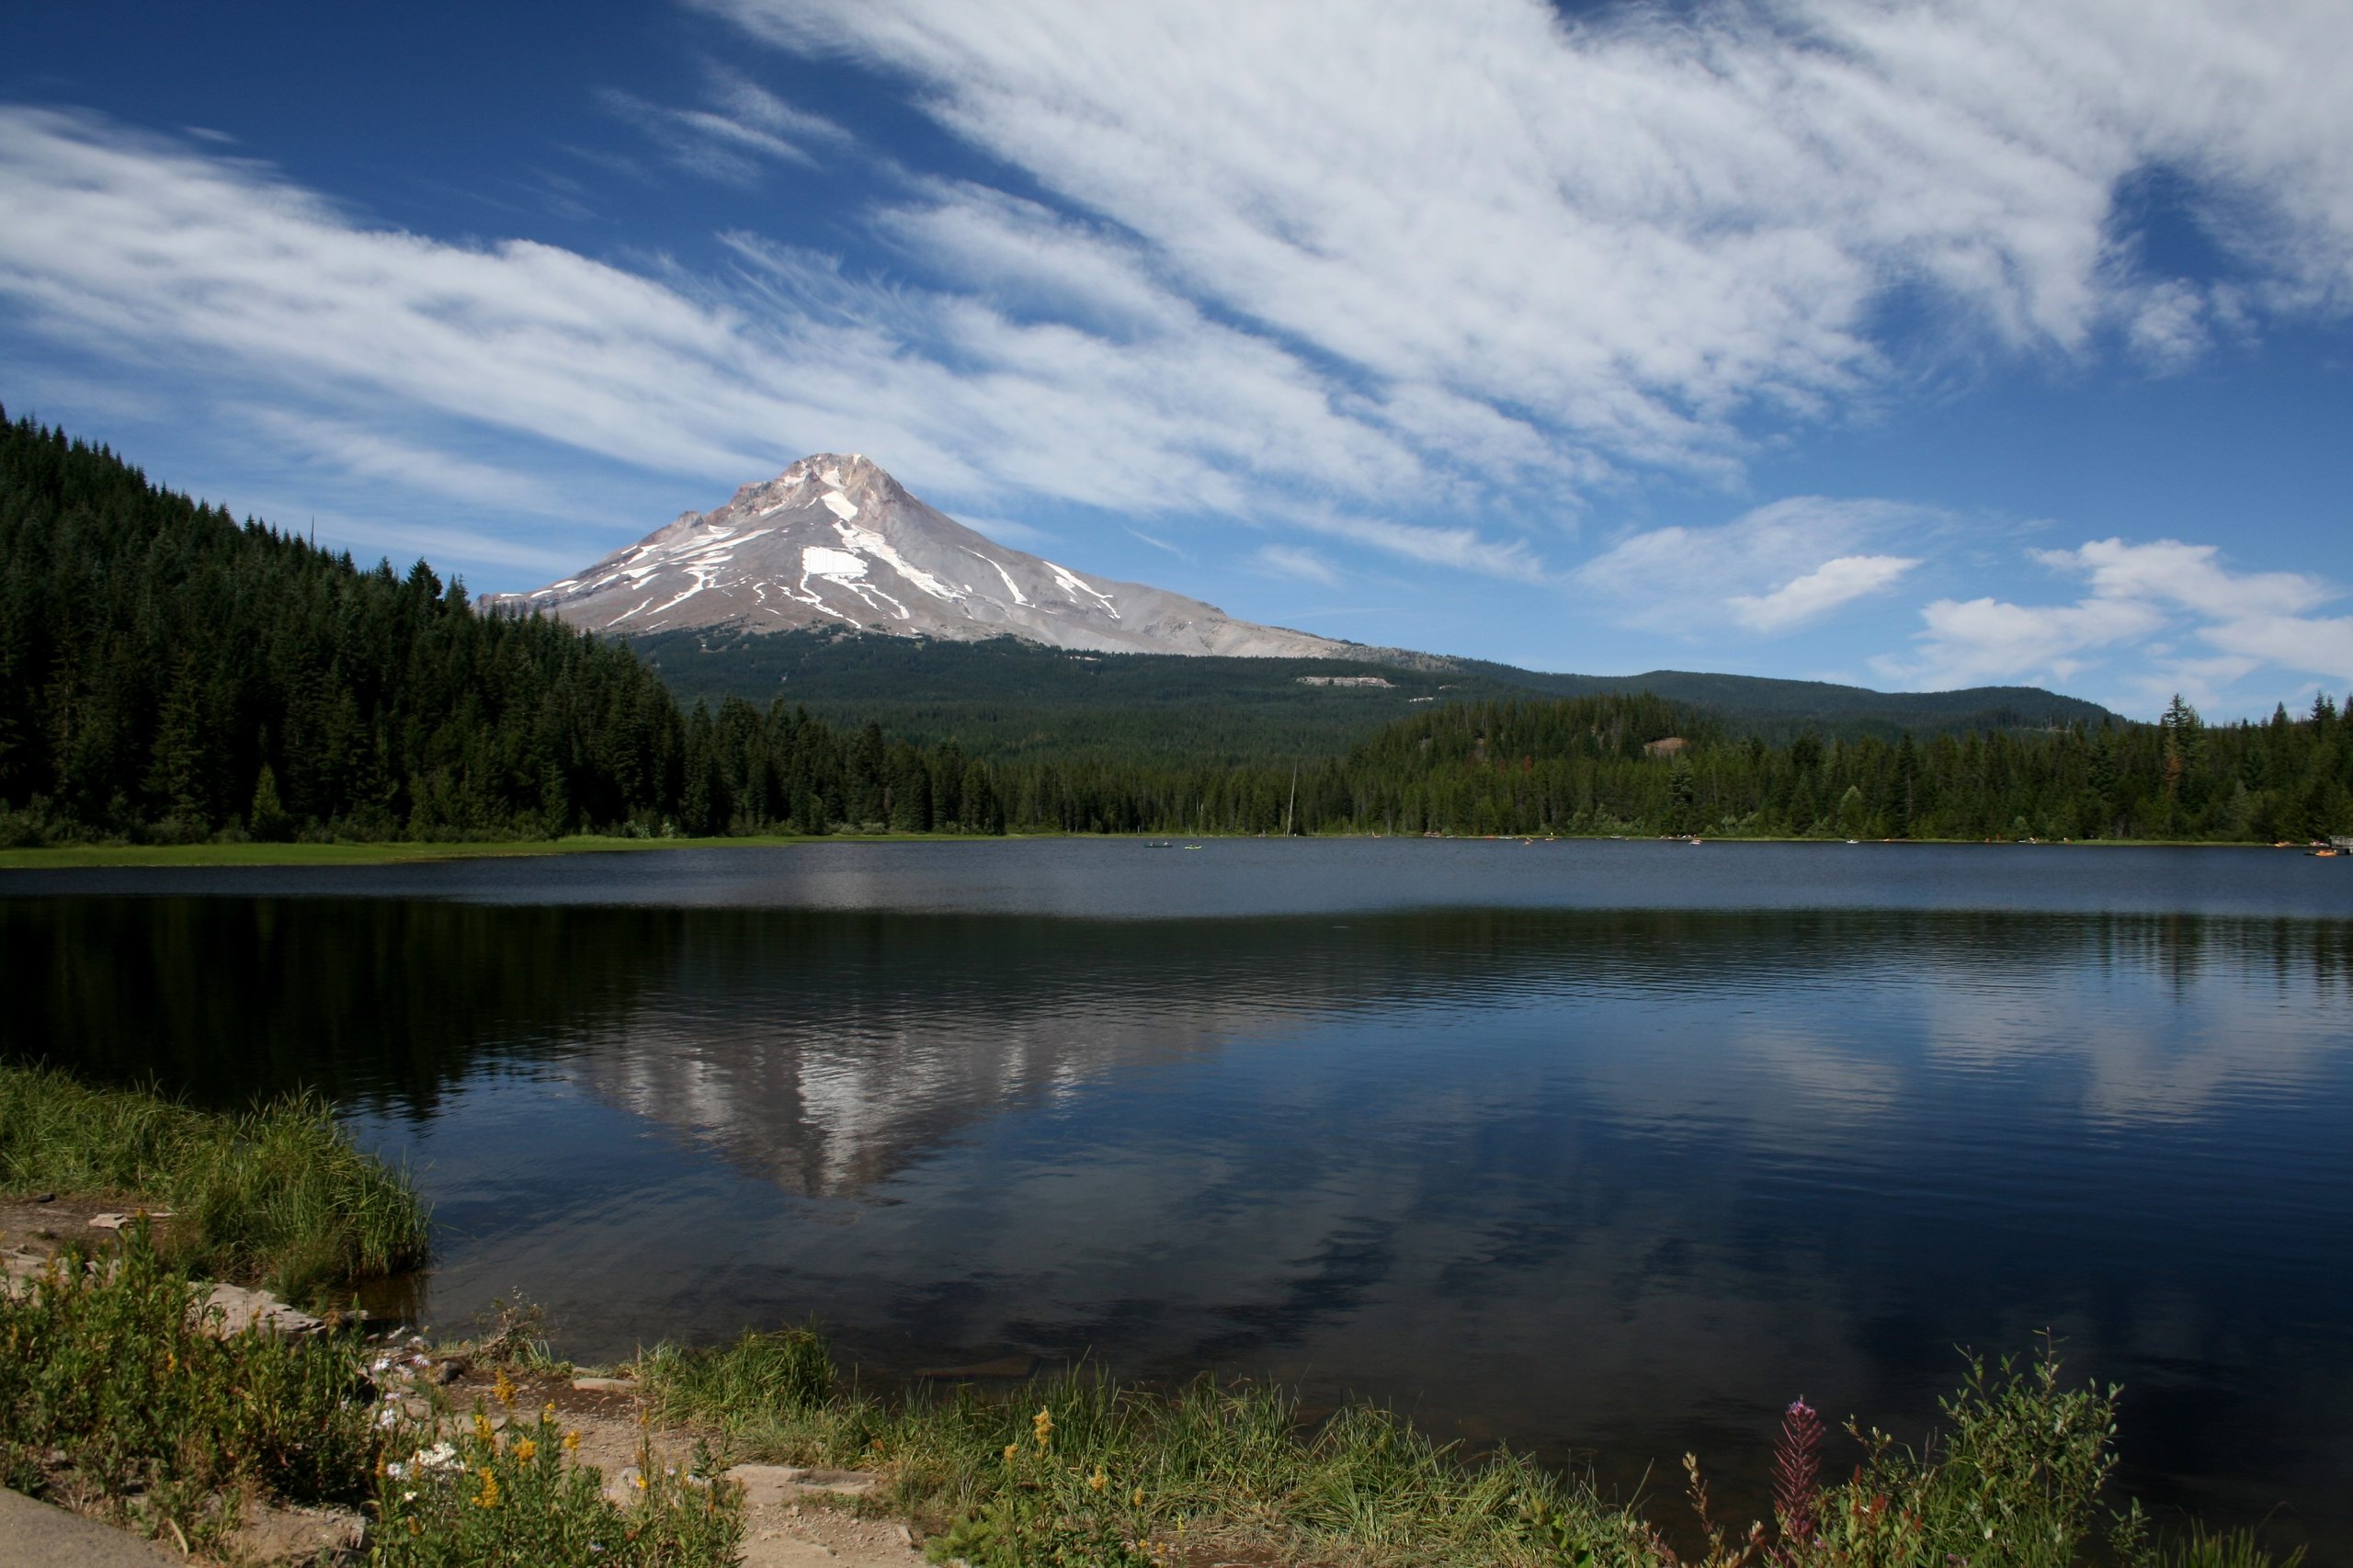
point(1299, 565)
point(1623, 232)
point(1807, 598)
point(739, 129)
point(161, 256)
point(1801, 556)
point(1434, 284)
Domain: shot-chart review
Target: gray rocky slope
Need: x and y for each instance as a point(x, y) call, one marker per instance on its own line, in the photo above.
point(834, 541)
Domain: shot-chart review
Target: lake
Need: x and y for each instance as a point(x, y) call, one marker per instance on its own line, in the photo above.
point(1606, 1150)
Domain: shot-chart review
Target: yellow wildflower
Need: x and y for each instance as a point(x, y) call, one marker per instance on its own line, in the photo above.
point(482, 1428)
point(1011, 1449)
point(1042, 1423)
point(1098, 1481)
point(488, 1496)
point(571, 1442)
point(1138, 1498)
point(525, 1451)
point(503, 1390)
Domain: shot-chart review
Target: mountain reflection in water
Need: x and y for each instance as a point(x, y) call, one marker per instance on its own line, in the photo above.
point(1616, 1182)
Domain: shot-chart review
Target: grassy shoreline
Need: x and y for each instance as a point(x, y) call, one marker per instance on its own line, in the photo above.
point(80, 857)
point(116, 1397)
point(278, 1194)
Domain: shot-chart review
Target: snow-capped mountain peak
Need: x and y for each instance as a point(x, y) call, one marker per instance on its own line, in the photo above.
point(834, 541)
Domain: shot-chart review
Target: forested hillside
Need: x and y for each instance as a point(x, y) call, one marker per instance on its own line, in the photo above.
point(168, 673)
point(1585, 765)
point(1007, 700)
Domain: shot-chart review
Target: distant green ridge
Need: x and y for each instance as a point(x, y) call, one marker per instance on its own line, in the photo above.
point(1008, 700)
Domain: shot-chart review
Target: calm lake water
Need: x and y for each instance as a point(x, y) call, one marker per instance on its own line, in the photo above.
point(1606, 1150)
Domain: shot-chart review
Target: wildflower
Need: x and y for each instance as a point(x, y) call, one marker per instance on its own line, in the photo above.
point(381, 1467)
point(388, 1417)
point(488, 1496)
point(1138, 1498)
point(525, 1451)
point(547, 1411)
point(1797, 1471)
point(1042, 1423)
point(171, 1360)
point(482, 1428)
point(503, 1390)
point(1011, 1449)
point(1098, 1481)
point(571, 1442)
point(415, 1528)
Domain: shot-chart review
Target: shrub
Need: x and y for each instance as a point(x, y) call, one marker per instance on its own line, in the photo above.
point(112, 1388)
point(515, 1498)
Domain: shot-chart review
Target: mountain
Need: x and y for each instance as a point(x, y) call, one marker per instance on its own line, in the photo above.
point(784, 590)
point(836, 541)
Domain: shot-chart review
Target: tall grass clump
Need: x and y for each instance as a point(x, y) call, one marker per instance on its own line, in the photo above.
point(787, 1374)
point(116, 1397)
point(278, 1193)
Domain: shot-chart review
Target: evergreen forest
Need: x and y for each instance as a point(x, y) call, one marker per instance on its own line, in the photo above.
point(168, 673)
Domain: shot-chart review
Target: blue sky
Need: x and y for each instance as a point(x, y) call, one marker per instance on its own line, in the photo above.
point(1910, 344)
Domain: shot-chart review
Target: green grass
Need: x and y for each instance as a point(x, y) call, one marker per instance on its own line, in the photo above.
point(79, 856)
point(279, 1194)
point(1078, 1469)
point(73, 857)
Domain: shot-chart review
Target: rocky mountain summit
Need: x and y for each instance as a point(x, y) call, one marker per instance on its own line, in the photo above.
point(833, 541)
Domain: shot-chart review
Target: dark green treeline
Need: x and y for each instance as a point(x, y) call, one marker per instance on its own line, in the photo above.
point(1590, 764)
point(168, 674)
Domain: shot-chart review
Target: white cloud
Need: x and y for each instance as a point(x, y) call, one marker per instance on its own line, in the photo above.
point(2144, 598)
point(1157, 542)
point(1290, 560)
point(2310, 644)
point(164, 259)
point(1685, 579)
point(1005, 530)
point(743, 127)
point(1623, 232)
point(1987, 642)
point(2190, 576)
point(1463, 548)
point(1358, 267)
point(1809, 598)
point(370, 454)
